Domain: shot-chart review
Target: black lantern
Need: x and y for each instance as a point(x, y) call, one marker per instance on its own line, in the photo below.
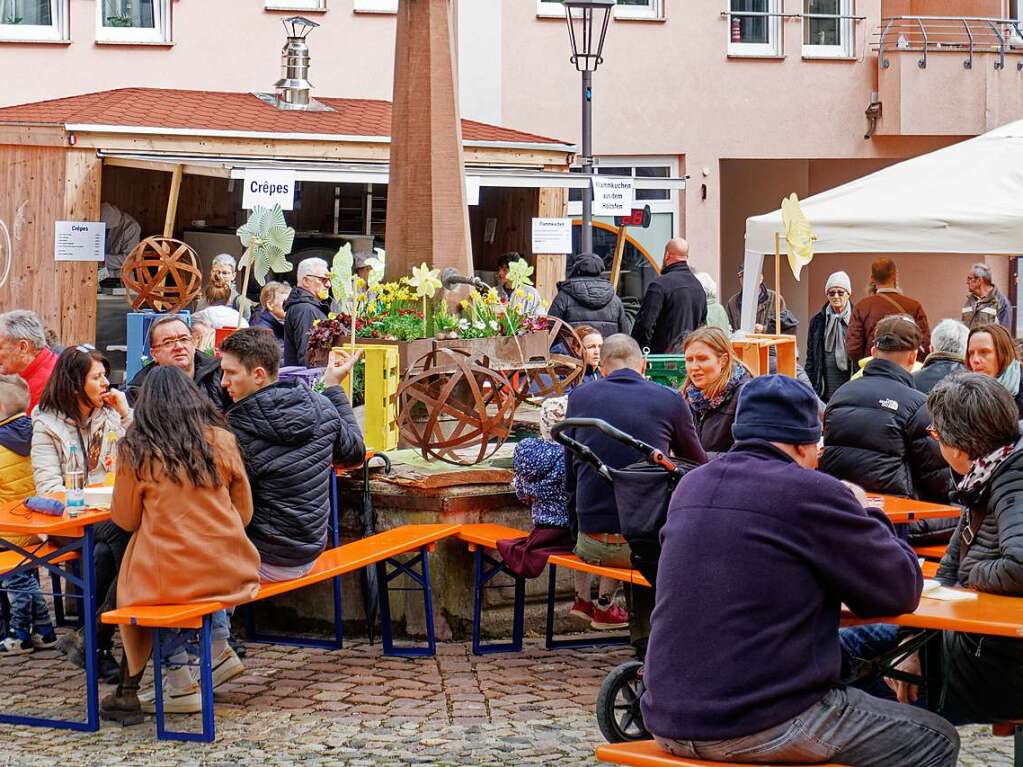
point(587, 27)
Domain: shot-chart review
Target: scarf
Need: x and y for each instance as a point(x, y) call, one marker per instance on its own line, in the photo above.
point(1010, 378)
point(701, 404)
point(834, 334)
point(983, 468)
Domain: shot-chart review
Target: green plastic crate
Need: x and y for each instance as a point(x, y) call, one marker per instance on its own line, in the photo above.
point(667, 369)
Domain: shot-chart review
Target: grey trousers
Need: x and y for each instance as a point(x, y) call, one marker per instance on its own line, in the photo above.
point(847, 726)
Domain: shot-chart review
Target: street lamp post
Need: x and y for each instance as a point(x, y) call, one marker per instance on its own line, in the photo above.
point(587, 26)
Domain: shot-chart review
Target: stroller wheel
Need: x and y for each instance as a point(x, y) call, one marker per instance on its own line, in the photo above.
point(618, 713)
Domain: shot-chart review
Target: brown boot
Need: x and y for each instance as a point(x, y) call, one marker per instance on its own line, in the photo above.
point(123, 705)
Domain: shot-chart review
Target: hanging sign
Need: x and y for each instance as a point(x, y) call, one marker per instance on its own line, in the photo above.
point(612, 196)
point(79, 240)
point(267, 187)
point(552, 235)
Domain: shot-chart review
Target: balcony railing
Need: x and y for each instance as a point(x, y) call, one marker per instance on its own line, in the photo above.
point(964, 35)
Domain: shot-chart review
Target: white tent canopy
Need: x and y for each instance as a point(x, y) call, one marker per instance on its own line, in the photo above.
point(965, 198)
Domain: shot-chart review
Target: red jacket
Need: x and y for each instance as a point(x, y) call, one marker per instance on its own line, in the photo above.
point(37, 374)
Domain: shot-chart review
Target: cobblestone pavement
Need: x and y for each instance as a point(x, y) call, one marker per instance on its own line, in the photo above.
point(355, 707)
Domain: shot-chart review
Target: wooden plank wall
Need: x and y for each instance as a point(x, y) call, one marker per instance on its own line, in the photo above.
point(550, 268)
point(514, 210)
point(78, 280)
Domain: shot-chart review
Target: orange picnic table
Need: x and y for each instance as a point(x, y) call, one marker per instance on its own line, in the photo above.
point(74, 535)
point(903, 510)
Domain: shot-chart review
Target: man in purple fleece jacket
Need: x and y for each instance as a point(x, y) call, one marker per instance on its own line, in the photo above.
point(758, 555)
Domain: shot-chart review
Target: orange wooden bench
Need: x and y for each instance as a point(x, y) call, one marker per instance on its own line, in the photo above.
point(646, 753)
point(11, 560)
point(482, 538)
point(378, 550)
point(931, 552)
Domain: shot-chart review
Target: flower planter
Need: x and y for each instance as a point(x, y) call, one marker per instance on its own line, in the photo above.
point(503, 352)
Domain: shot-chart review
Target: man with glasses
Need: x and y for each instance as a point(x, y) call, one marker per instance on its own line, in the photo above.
point(985, 304)
point(304, 306)
point(170, 343)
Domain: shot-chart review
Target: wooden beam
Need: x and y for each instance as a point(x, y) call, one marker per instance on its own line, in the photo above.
point(187, 169)
point(33, 135)
point(552, 202)
point(77, 279)
point(616, 261)
point(172, 202)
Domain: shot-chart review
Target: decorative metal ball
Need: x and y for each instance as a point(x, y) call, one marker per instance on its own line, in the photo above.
point(560, 374)
point(163, 274)
point(451, 401)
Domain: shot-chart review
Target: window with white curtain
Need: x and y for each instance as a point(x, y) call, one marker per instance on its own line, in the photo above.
point(754, 28)
point(297, 5)
point(376, 6)
point(625, 9)
point(133, 21)
point(828, 29)
point(33, 20)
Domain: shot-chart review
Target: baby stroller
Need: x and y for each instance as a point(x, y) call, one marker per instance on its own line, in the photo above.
point(642, 491)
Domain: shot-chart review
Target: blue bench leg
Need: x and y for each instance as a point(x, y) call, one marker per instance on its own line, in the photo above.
point(482, 577)
point(208, 733)
point(422, 580)
point(553, 644)
point(59, 619)
point(1017, 754)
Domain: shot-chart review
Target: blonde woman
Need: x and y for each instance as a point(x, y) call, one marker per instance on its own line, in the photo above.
point(714, 377)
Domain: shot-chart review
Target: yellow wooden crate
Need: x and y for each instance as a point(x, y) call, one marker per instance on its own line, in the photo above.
point(382, 379)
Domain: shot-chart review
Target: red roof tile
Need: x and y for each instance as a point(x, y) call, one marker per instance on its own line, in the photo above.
point(208, 110)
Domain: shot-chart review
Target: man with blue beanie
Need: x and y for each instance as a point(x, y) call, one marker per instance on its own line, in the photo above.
point(759, 553)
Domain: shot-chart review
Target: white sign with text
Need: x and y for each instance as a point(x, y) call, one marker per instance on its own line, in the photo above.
point(268, 187)
point(472, 190)
point(612, 196)
point(552, 235)
point(79, 240)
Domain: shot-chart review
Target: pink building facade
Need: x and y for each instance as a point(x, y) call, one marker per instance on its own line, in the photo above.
point(751, 99)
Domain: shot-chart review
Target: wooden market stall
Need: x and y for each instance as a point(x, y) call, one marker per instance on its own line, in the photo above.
point(60, 160)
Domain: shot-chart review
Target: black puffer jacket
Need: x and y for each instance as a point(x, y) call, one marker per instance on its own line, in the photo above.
point(937, 366)
point(288, 437)
point(206, 376)
point(674, 305)
point(302, 309)
point(875, 435)
point(586, 298)
point(986, 673)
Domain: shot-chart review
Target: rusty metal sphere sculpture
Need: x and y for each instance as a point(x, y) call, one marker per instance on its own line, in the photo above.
point(163, 274)
point(559, 375)
point(451, 401)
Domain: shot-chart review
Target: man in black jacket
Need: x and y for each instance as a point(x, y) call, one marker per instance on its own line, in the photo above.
point(170, 343)
point(875, 428)
point(289, 437)
point(586, 298)
point(674, 305)
point(947, 355)
point(303, 307)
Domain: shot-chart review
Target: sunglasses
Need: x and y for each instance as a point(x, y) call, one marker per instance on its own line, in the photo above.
point(836, 293)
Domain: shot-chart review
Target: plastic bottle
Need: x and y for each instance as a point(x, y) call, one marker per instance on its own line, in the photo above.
point(110, 462)
point(74, 481)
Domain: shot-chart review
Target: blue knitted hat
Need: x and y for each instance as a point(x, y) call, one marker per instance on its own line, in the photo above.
point(778, 409)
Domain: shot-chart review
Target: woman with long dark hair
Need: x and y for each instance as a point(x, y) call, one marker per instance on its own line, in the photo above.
point(182, 489)
point(79, 409)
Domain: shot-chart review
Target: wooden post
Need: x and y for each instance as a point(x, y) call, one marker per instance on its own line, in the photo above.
point(616, 261)
point(172, 201)
point(777, 283)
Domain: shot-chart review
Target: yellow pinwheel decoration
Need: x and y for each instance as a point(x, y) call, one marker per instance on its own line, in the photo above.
point(425, 280)
point(798, 234)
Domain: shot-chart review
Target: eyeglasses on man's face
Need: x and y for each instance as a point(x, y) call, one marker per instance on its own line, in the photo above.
point(170, 343)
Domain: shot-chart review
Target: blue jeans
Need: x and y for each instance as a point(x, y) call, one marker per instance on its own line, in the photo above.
point(28, 608)
point(179, 645)
point(846, 726)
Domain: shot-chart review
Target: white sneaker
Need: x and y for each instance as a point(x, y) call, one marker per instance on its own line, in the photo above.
point(184, 701)
point(226, 666)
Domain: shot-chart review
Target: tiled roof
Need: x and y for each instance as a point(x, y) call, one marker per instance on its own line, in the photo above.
point(208, 110)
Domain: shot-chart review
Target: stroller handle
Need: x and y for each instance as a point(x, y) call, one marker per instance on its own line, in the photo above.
point(652, 454)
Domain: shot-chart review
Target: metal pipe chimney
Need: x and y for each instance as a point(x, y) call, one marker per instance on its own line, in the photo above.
point(293, 88)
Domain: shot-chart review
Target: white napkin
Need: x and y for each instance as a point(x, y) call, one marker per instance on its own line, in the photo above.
point(934, 590)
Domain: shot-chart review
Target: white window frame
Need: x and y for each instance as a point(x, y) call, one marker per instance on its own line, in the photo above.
point(846, 49)
point(670, 205)
point(160, 34)
point(57, 32)
point(652, 11)
point(772, 48)
point(313, 6)
point(376, 6)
